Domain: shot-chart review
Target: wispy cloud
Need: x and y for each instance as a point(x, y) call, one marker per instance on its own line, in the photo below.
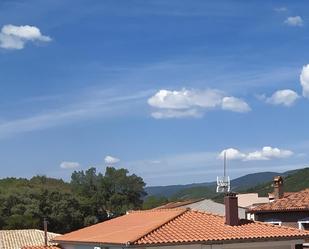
point(96, 106)
point(69, 165)
point(281, 9)
point(15, 37)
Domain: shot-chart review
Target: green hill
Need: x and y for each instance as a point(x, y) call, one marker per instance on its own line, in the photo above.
point(296, 181)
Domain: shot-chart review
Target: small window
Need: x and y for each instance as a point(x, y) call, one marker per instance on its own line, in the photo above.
point(277, 223)
point(304, 224)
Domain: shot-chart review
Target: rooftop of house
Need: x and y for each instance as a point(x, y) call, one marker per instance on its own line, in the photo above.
point(177, 226)
point(297, 201)
point(16, 239)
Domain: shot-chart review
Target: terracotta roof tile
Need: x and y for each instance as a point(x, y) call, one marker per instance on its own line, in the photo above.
point(196, 226)
point(297, 201)
point(15, 239)
point(166, 226)
point(124, 229)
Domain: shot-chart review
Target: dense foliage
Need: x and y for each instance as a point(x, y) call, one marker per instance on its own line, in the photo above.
point(89, 198)
point(296, 181)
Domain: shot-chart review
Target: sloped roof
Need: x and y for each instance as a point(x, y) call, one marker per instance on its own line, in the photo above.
point(297, 201)
point(172, 226)
point(122, 230)
point(15, 239)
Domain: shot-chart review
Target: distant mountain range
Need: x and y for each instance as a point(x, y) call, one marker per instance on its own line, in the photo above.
point(256, 182)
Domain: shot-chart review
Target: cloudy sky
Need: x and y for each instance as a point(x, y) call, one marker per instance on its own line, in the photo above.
point(162, 88)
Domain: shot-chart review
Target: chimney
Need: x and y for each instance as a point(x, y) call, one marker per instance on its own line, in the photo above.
point(278, 187)
point(231, 209)
point(45, 232)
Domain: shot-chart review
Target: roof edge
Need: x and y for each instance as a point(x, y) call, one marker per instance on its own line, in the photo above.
point(277, 210)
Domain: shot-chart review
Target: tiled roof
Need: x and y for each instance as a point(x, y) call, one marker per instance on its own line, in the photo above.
point(170, 227)
point(124, 229)
point(15, 239)
point(298, 201)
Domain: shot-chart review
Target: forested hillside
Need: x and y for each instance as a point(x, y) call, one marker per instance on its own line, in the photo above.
point(90, 197)
point(296, 181)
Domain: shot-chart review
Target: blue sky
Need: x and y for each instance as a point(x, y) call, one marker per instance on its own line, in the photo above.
point(158, 87)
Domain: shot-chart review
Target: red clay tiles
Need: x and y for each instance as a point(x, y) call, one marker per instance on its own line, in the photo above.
point(170, 226)
point(298, 201)
point(122, 230)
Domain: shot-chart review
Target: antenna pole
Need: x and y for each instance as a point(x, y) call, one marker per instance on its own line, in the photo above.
point(224, 170)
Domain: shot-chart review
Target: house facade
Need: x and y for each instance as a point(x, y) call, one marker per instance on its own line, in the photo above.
point(290, 209)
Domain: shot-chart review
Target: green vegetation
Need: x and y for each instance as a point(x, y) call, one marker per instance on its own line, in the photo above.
point(196, 193)
point(89, 198)
point(296, 181)
point(154, 201)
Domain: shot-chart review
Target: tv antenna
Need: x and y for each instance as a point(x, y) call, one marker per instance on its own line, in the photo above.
point(223, 183)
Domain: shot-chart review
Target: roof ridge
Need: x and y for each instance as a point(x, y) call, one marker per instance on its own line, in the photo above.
point(138, 237)
point(157, 210)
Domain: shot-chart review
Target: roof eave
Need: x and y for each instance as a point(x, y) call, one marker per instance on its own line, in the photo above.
point(229, 241)
point(278, 210)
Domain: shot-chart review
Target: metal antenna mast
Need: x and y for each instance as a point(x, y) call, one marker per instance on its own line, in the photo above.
point(224, 170)
point(223, 183)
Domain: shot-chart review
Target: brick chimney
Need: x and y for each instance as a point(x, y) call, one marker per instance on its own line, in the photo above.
point(278, 187)
point(231, 209)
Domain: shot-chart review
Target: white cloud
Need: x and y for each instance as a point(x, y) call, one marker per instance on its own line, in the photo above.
point(304, 80)
point(232, 154)
point(185, 99)
point(169, 113)
point(266, 153)
point(294, 21)
point(111, 160)
point(15, 37)
point(284, 97)
point(69, 165)
point(192, 103)
point(235, 105)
